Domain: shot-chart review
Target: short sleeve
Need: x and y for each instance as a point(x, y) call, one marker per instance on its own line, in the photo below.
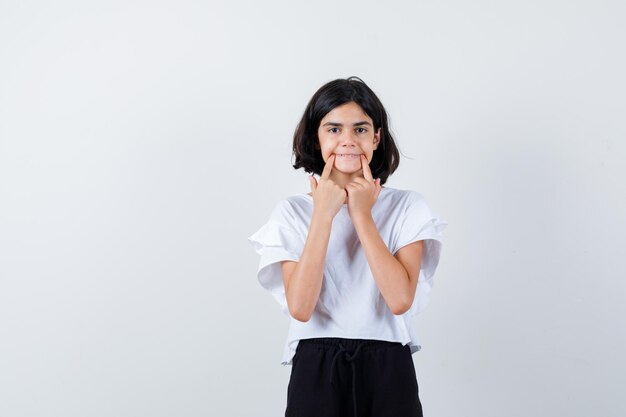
point(277, 240)
point(420, 222)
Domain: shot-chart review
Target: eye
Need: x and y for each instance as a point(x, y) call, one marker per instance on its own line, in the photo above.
point(334, 130)
point(361, 130)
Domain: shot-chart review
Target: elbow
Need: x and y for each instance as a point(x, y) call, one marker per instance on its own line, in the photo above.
point(300, 308)
point(299, 313)
point(400, 307)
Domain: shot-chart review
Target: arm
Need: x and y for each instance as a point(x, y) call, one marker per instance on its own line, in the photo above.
point(303, 279)
point(396, 277)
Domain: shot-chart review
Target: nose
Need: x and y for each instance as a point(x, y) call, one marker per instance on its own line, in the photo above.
point(347, 138)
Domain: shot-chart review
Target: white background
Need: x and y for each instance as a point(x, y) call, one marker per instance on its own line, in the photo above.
point(142, 142)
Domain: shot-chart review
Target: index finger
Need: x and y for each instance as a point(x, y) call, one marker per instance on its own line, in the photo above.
point(328, 167)
point(367, 172)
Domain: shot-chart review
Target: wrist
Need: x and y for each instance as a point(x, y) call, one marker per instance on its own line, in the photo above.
point(322, 218)
point(362, 218)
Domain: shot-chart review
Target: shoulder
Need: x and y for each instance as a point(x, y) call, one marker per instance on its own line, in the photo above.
point(290, 208)
point(296, 202)
point(402, 198)
point(407, 204)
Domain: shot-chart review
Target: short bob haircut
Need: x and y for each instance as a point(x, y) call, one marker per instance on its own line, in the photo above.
point(386, 157)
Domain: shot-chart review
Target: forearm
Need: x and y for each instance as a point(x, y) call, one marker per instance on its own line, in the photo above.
point(305, 283)
point(391, 277)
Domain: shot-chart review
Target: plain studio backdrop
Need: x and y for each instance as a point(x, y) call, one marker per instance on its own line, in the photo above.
point(141, 143)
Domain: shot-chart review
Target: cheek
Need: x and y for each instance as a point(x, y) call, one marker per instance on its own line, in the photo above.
point(325, 146)
point(370, 152)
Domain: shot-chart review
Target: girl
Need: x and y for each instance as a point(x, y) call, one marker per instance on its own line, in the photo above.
point(350, 263)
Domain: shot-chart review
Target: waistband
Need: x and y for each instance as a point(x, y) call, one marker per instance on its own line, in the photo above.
point(350, 344)
point(349, 350)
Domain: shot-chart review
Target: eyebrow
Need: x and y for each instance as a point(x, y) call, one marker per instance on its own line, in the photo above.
point(363, 123)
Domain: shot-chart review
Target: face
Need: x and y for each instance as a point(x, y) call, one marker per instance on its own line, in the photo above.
point(347, 131)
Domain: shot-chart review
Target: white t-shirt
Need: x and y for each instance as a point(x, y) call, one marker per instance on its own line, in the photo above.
point(350, 304)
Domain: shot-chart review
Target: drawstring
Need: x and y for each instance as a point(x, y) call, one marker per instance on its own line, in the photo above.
point(350, 358)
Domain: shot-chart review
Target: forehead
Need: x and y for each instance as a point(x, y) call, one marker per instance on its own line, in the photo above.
point(348, 112)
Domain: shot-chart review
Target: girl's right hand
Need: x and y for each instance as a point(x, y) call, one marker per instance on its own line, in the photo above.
point(328, 197)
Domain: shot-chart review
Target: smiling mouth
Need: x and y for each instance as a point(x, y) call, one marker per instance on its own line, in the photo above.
point(348, 156)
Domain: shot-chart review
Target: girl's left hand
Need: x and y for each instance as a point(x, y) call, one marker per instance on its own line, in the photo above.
point(362, 192)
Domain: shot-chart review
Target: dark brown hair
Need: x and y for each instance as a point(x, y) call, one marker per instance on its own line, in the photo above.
point(386, 157)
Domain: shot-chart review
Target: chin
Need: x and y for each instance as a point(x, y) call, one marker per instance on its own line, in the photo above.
point(348, 171)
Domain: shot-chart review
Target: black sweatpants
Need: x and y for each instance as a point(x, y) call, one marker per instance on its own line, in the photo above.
point(335, 377)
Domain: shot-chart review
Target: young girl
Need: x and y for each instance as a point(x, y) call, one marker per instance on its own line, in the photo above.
point(350, 263)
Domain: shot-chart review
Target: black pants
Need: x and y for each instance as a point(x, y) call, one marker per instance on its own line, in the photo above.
point(334, 377)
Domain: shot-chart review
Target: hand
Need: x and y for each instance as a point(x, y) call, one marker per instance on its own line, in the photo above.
point(363, 192)
point(328, 197)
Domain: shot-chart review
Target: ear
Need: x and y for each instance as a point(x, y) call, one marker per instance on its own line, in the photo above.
point(377, 138)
